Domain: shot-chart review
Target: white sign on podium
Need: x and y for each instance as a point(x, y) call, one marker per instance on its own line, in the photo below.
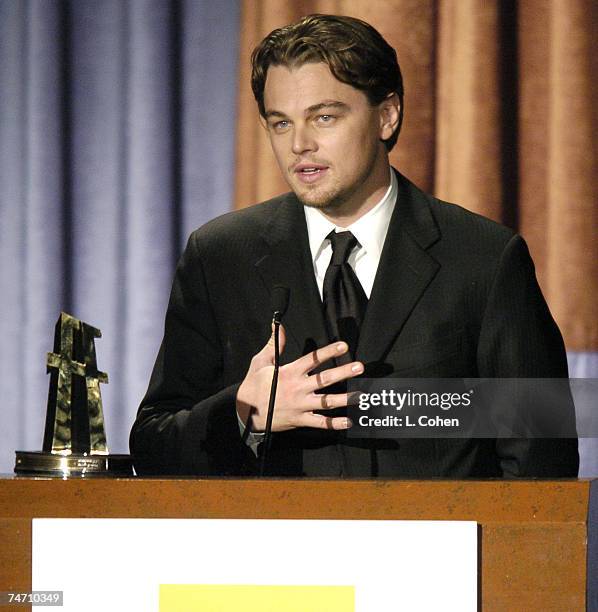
point(229, 565)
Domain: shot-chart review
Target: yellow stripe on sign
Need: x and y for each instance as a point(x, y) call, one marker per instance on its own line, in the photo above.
point(255, 598)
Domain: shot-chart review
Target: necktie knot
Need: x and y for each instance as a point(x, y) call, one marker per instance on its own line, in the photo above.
point(342, 244)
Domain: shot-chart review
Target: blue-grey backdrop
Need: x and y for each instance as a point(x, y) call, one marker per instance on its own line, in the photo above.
point(117, 125)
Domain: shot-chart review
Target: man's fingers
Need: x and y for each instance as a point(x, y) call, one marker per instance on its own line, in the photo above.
point(312, 360)
point(320, 380)
point(328, 401)
point(319, 421)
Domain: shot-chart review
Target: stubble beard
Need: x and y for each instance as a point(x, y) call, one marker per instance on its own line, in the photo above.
point(330, 199)
point(335, 198)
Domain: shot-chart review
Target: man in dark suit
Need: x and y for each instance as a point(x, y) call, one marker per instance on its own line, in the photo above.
point(431, 291)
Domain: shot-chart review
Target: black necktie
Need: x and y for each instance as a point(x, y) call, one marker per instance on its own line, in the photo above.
point(344, 298)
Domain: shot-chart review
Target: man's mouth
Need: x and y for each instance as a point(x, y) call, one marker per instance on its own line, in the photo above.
point(309, 173)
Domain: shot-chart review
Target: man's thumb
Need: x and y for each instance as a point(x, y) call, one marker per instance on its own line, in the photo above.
point(281, 341)
point(266, 356)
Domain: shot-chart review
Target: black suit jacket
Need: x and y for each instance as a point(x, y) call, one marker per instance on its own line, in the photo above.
point(455, 295)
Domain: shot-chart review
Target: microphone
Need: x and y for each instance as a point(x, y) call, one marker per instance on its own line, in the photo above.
point(280, 302)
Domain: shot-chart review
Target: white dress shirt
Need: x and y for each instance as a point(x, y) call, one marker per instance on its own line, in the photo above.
point(370, 231)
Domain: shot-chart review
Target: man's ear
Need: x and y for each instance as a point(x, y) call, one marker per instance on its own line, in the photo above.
point(390, 112)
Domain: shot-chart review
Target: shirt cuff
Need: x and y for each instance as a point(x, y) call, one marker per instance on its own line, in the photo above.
point(252, 439)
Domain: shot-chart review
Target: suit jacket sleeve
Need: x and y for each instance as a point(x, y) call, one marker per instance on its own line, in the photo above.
point(187, 422)
point(519, 339)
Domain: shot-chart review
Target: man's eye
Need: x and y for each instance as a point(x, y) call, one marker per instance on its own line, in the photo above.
point(325, 118)
point(281, 125)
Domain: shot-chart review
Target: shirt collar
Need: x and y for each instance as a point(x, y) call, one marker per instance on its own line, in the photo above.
point(370, 230)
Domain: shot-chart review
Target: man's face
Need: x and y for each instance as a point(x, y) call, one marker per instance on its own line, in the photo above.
point(326, 138)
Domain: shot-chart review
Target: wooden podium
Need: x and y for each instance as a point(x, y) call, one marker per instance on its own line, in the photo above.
point(532, 534)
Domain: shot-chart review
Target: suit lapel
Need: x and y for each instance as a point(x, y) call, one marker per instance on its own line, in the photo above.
point(404, 272)
point(288, 263)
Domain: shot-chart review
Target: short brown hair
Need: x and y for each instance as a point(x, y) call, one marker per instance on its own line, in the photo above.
point(354, 51)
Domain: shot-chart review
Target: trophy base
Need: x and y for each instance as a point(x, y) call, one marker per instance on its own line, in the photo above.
point(41, 463)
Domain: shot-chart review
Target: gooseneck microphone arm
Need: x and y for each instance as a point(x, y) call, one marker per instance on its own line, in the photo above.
point(280, 302)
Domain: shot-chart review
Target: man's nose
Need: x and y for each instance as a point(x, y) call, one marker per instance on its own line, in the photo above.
point(303, 140)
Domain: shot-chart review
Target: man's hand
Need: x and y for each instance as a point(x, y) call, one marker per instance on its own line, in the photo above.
point(295, 396)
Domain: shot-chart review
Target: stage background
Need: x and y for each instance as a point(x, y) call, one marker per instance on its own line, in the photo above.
point(126, 124)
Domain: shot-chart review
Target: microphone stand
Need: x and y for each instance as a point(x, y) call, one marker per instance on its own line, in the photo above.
point(268, 431)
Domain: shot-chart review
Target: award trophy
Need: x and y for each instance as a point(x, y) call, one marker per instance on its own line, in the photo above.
point(74, 437)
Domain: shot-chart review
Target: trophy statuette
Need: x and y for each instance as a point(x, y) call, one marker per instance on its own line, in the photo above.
point(75, 436)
